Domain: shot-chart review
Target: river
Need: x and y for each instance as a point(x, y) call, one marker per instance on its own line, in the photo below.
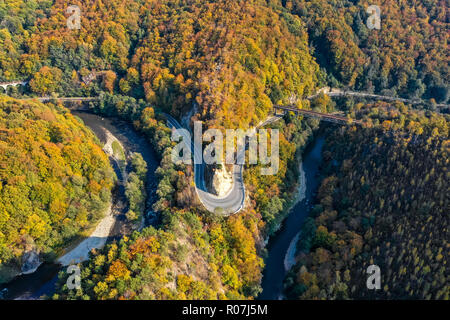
point(43, 280)
point(132, 141)
point(284, 240)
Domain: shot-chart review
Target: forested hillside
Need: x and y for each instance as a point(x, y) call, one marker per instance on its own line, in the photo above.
point(231, 61)
point(55, 180)
point(384, 201)
point(408, 56)
point(233, 58)
point(193, 254)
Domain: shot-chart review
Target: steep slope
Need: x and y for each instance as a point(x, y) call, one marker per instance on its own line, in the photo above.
point(408, 56)
point(384, 201)
point(55, 180)
point(233, 58)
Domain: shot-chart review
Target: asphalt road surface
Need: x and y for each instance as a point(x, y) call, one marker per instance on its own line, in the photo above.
point(233, 202)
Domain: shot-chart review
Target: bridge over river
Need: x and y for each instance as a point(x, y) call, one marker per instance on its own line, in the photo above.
point(5, 85)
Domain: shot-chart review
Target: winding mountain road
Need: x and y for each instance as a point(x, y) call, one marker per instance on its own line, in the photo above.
point(233, 202)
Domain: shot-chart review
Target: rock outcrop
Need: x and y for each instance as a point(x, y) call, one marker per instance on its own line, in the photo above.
point(30, 262)
point(222, 181)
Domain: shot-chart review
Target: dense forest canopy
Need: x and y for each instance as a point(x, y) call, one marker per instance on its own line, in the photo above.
point(230, 61)
point(384, 201)
point(197, 254)
point(408, 56)
point(55, 180)
point(192, 254)
point(232, 58)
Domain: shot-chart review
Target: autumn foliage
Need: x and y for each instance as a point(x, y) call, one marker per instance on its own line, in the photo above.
point(55, 180)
